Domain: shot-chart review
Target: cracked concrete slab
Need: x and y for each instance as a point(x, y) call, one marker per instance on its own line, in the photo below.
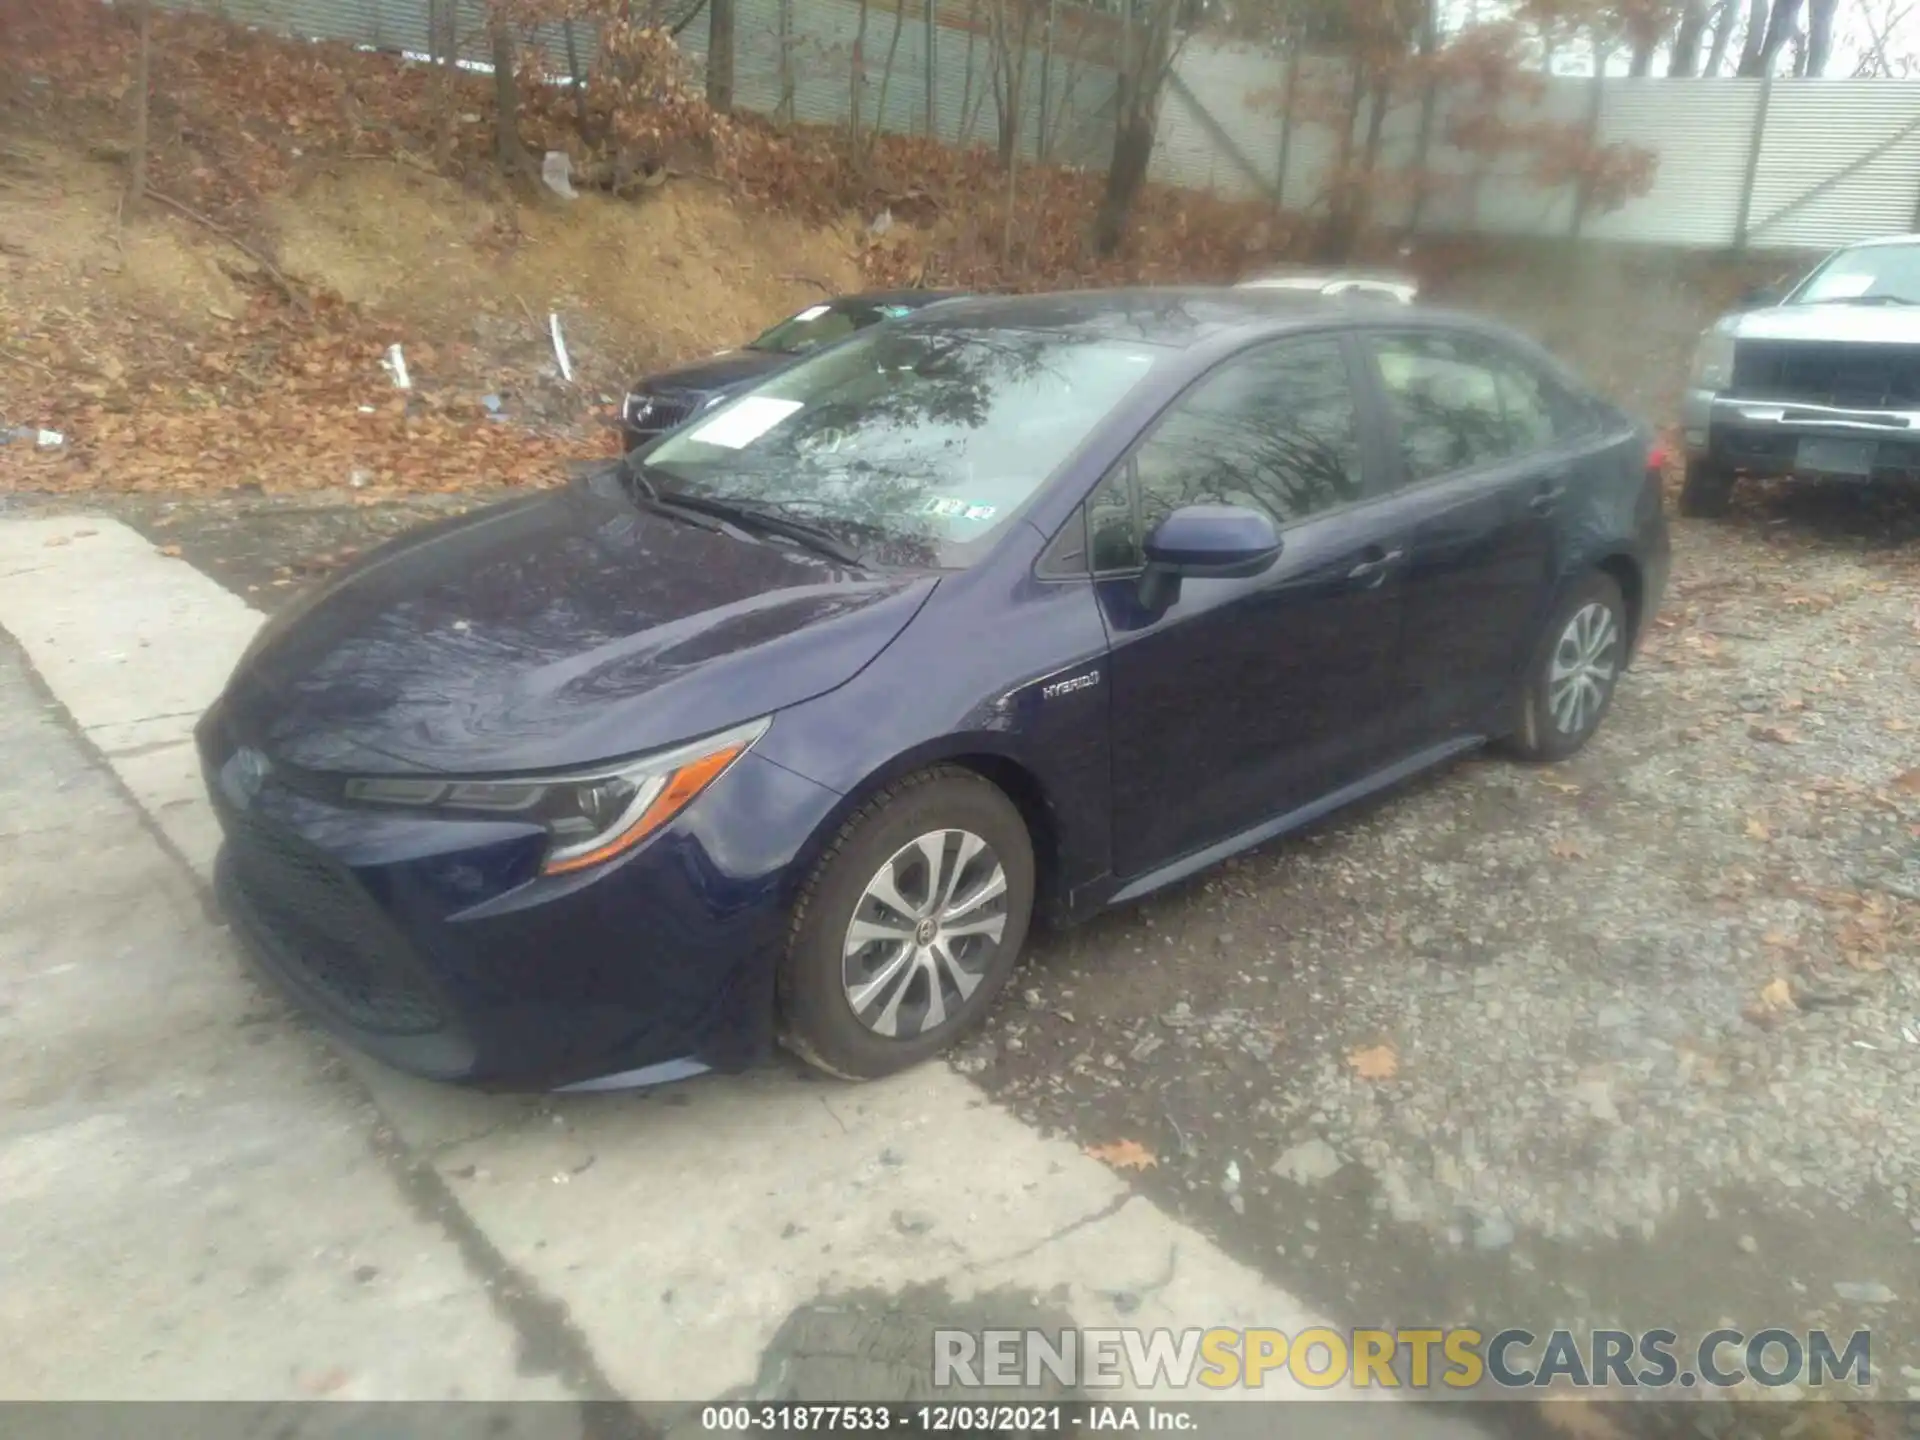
point(189, 1204)
point(676, 1230)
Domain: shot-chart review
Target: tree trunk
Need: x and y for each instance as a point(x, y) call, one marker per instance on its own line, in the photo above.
point(1640, 62)
point(967, 111)
point(1781, 27)
point(858, 77)
point(1336, 236)
point(1723, 23)
point(893, 49)
point(720, 55)
point(1819, 36)
point(783, 111)
point(1009, 74)
point(1686, 40)
point(1132, 150)
point(1286, 118)
point(1751, 65)
point(442, 20)
point(1429, 100)
point(508, 150)
point(142, 72)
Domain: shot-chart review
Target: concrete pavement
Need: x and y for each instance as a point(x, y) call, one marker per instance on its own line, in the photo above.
point(641, 1245)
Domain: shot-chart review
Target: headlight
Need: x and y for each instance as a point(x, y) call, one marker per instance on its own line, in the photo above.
point(591, 815)
point(1713, 361)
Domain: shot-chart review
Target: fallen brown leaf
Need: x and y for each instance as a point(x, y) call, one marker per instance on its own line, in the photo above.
point(1757, 829)
point(1907, 782)
point(1563, 786)
point(1777, 734)
point(58, 540)
point(1567, 850)
point(1775, 1000)
point(1376, 1062)
point(1896, 725)
point(1125, 1155)
point(324, 1383)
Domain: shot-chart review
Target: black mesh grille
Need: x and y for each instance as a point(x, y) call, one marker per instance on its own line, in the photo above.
point(1848, 377)
point(655, 414)
point(325, 933)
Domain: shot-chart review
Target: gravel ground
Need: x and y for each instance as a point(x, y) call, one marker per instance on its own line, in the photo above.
point(1634, 1040)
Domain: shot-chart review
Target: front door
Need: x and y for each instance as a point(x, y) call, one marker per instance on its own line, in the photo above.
point(1242, 699)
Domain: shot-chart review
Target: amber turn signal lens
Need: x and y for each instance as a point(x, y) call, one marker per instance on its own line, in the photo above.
point(682, 786)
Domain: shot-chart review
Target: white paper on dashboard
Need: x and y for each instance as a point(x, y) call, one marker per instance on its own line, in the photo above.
point(749, 418)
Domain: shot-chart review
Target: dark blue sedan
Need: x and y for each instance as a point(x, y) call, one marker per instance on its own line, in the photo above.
point(658, 403)
point(789, 726)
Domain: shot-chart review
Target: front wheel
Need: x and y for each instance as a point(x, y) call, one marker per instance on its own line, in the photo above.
point(910, 926)
point(1569, 687)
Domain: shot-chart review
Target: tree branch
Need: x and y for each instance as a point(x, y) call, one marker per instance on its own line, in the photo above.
point(273, 271)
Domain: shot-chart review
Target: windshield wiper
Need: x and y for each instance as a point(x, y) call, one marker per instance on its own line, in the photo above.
point(769, 519)
point(644, 491)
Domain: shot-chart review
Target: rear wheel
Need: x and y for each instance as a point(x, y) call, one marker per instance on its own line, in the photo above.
point(1707, 490)
point(1569, 687)
point(909, 927)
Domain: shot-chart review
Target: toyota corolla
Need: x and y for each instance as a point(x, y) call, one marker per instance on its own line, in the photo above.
point(788, 726)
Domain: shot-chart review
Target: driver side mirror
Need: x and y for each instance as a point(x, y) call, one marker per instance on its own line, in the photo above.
point(1223, 542)
point(1758, 297)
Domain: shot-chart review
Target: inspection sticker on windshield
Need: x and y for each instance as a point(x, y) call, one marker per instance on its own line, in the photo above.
point(746, 422)
point(959, 509)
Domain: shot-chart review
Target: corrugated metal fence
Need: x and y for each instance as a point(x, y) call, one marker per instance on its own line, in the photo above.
point(1786, 164)
point(1789, 164)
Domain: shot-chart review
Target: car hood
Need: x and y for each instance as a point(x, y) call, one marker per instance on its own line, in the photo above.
point(1854, 324)
point(557, 631)
point(716, 372)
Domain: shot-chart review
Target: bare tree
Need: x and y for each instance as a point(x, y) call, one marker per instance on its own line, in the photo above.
point(1012, 23)
point(720, 55)
point(142, 86)
point(508, 149)
point(1687, 36)
point(1725, 18)
point(1149, 46)
point(1819, 35)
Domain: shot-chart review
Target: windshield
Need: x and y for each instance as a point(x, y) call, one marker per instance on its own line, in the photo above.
point(916, 446)
point(1885, 274)
point(817, 325)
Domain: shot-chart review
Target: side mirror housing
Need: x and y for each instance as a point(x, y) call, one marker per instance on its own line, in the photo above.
point(1205, 541)
point(1758, 297)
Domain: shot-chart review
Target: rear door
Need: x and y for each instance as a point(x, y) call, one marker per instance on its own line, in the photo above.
point(1486, 445)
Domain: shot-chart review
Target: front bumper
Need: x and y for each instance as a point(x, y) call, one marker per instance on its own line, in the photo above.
point(1763, 438)
point(436, 946)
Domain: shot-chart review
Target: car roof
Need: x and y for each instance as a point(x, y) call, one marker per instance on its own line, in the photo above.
point(1175, 316)
point(913, 298)
point(1882, 240)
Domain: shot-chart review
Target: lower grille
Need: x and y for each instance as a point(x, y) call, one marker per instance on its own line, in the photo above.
point(325, 933)
point(652, 415)
point(1844, 376)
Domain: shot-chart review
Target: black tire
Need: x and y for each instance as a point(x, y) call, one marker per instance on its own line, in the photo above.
point(1538, 733)
point(817, 1018)
point(1707, 491)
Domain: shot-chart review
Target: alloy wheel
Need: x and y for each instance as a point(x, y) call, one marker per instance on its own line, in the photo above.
point(924, 933)
point(1585, 663)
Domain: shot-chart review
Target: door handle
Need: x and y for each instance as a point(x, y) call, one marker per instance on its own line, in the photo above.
point(1374, 570)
